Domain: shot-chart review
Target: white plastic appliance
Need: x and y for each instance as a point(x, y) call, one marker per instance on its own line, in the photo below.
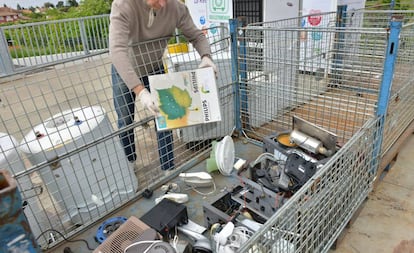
point(225, 155)
point(10, 160)
point(93, 178)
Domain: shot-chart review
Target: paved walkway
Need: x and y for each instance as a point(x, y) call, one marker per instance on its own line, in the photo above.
point(386, 222)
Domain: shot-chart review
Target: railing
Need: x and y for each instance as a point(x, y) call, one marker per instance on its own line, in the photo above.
point(38, 45)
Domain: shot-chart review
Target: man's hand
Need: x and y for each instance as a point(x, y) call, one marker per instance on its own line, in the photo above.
point(207, 62)
point(146, 101)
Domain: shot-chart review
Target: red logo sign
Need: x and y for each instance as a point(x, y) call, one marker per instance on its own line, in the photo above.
point(315, 18)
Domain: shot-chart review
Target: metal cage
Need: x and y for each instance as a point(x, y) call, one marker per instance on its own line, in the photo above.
point(339, 75)
point(350, 75)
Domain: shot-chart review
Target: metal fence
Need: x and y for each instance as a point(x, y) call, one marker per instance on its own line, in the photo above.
point(37, 45)
point(58, 115)
point(336, 75)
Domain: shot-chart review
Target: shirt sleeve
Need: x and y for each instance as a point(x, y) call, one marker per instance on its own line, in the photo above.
point(118, 46)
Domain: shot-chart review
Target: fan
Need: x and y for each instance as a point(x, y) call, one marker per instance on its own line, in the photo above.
point(222, 156)
point(129, 232)
point(225, 155)
point(146, 243)
point(157, 246)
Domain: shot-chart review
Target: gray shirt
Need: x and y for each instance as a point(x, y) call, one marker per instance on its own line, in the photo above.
point(129, 28)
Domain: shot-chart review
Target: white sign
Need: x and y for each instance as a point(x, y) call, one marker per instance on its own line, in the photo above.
point(198, 11)
point(220, 10)
point(315, 44)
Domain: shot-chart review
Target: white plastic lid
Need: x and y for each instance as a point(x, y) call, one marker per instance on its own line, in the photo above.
point(62, 128)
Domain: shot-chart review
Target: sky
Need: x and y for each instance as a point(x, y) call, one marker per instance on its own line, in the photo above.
point(27, 3)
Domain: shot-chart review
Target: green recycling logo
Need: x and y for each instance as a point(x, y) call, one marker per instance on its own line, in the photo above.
point(218, 6)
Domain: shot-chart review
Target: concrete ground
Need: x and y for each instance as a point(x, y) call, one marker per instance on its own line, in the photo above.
point(386, 222)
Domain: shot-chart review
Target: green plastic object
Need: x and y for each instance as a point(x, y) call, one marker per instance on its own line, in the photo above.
point(211, 163)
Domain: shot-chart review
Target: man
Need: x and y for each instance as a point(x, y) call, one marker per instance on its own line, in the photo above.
point(138, 34)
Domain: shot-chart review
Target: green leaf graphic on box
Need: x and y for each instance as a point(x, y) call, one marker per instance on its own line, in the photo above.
point(174, 102)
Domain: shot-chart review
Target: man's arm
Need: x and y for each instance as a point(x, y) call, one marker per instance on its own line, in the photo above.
point(197, 38)
point(118, 49)
point(118, 46)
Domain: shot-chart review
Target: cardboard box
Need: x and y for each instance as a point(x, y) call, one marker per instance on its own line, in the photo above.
point(185, 98)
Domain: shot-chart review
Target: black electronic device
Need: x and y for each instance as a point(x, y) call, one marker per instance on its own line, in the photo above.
point(299, 170)
point(165, 216)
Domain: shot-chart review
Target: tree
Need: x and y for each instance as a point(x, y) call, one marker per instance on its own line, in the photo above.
point(94, 7)
point(59, 4)
point(48, 5)
point(18, 7)
point(72, 3)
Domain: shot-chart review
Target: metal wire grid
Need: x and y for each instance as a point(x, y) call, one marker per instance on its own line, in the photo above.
point(327, 75)
point(30, 98)
point(317, 213)
point(83, 176)
point(344, 103)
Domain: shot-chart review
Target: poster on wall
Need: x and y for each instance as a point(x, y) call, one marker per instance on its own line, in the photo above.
point(314, 43)
point(199, 11)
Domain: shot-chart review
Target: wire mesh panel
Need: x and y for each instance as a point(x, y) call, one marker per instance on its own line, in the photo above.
point(60, 123)
point(320, 210)
point(330, 75)
point(336, 72)
point(305, 74)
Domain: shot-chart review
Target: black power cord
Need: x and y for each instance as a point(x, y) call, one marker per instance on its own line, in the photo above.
point(67, 249)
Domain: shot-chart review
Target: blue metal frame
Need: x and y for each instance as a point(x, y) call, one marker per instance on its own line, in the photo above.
point(387, 78)
point(238, 97)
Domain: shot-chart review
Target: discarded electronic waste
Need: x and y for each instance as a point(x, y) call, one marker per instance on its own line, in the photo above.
point(232, 216)
point(291, 158)
point(157, 232)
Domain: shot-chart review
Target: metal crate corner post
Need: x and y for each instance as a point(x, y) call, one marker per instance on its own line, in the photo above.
point(233, 23)
point(386, 83)
point(238, 51)
point(6, 63)
point(337, 61)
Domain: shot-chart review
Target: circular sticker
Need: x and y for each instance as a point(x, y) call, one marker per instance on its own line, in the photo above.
point(314, 17)
point(303, 23)
point(202, 20)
